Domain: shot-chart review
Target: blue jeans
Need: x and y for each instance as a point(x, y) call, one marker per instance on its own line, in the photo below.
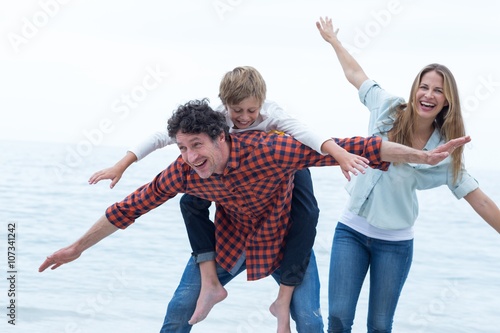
point(352, 254)
point(304, 216)
point(304, 309)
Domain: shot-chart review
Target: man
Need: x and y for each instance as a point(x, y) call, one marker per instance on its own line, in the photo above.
point(249, 176)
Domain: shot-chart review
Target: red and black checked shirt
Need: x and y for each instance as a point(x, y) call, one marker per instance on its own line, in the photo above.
point(253, 195)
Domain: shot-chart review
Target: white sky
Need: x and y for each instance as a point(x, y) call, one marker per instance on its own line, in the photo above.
point(66, 66)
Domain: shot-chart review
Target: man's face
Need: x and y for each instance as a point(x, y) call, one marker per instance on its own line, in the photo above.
point(205, 156)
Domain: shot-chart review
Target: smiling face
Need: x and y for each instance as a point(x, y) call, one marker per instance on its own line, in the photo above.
point(244, 113)
point(204, 155)
point(429, 97)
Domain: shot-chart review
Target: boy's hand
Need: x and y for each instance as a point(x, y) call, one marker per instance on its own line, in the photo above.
point(351, 163)
point(114, 173)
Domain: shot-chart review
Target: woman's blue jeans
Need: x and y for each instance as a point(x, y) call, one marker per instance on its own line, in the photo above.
point(352, 254)
point(305, 306)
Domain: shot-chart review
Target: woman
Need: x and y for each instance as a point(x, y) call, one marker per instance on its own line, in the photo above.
point(376, 229)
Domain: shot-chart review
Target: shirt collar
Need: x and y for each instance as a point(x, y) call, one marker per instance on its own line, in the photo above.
point(435, 140)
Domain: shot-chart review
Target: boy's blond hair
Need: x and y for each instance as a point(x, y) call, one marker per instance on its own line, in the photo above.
point(240, 83)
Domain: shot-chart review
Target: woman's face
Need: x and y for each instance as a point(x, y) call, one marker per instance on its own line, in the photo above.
point(244, 113)
point(429, 98)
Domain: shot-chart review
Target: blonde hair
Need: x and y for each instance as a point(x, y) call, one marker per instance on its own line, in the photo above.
point(449, 120)
point(240, 83)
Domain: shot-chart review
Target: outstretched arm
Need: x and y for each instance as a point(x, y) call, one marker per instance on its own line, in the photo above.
point(115, 172)
point(485, 207)
point(352, 70)
point(395, 152)
point(279, 120)
point(155, 141)
point(100, 230)
point(349, 163)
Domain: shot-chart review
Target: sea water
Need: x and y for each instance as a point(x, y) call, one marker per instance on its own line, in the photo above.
point(123, 284)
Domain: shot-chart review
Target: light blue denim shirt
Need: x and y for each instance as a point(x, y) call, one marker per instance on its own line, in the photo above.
point(388, 200)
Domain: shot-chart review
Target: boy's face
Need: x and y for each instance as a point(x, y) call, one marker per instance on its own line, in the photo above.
point(244, 114)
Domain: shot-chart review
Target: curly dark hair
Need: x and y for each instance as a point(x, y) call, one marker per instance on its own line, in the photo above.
point(196, 117)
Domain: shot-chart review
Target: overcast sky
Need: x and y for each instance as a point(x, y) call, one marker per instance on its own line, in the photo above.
point(110, 72)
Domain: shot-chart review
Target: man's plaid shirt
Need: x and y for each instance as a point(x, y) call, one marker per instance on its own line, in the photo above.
point(253, 195)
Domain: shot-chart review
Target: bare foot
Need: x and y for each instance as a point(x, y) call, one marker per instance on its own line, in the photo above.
point(282, 313)
point(208, 298)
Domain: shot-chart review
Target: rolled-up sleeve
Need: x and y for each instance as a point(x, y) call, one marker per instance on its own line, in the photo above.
point(288, 151)
point(466, 185)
